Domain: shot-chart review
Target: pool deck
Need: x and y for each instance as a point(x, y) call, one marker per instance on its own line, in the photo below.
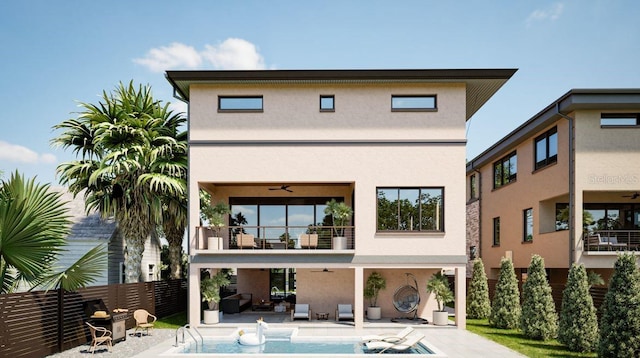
point(449, 340)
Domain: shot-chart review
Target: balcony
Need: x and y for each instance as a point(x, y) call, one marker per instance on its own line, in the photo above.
point(293, 239)
point(612, 240)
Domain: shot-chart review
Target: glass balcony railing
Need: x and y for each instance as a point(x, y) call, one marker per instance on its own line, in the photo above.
point(277, 238)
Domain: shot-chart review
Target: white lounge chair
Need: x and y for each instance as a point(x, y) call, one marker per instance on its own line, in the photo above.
point(388, 337)
point(382, 346)
point(301, 311)
point(344, 312)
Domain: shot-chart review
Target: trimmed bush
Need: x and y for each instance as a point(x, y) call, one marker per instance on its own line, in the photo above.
point(620, 321)
point(578, 328)
point(539, 319)
point(505, 308)
point(478, 304)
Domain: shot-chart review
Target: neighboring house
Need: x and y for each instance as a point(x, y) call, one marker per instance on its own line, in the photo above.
point(89, 231)
point(277, 145)
point(564, 185)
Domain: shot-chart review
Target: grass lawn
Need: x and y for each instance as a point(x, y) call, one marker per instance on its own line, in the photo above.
point(174, 321)
point(515, 340)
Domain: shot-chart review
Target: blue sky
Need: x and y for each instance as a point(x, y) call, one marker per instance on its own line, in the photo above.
point(55, 53)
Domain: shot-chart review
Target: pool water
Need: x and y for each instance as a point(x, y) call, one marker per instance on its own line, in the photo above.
point(285, 346)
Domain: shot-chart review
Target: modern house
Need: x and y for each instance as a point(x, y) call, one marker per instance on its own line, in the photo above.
point(277, 145)
point(564, 185)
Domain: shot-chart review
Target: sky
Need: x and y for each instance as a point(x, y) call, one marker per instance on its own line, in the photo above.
point(58, 53)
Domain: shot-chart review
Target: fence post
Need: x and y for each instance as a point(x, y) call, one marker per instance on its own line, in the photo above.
point(60, 318)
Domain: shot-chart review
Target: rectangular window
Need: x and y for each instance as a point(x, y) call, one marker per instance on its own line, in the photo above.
point(505, 170)
point(327, 103)
point(410, 209)
point(410, 103)
point(240, 104)
point(496, 231)
point(527, 219)
point(152, 272)
point(546, 148)
point(562, 216)
point(619, 119)
point(473, 190)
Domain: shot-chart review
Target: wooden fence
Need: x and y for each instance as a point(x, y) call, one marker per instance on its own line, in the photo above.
point(37, 324)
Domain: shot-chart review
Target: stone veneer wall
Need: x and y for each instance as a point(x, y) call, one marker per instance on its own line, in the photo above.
point(473, 231)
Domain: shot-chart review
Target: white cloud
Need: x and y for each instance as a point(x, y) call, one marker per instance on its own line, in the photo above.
point(19, 154)
point(551, 13)
point(231, 54)
point(234, 54)
point(169, 57)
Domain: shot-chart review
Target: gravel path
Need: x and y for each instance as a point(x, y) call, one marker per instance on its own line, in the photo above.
point(128, 348)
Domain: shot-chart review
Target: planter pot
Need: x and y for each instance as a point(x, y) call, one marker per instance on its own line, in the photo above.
point(214, 243)
point(374, 312)
point(211, 316)
point(203, 233)
point(339, 243)
point(440, 318)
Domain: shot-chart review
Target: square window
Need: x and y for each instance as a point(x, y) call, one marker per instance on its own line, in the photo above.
point(327, 103)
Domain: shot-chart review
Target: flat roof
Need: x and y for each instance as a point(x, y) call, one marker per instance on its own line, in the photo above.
point(574, 99)
point(481, 84)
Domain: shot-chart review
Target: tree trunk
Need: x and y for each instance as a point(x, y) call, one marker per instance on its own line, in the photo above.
point(174, 235)
point(135, 230)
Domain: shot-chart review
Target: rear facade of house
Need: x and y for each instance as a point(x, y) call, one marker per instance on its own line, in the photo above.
point(564, 185)
point(278, 145)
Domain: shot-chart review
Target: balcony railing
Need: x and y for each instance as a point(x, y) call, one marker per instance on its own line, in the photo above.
point(612, 240)
point(280, 237)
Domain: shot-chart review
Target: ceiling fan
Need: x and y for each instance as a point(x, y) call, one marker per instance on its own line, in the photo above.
point(635, 195)
point(323, 270)
point(283, 187)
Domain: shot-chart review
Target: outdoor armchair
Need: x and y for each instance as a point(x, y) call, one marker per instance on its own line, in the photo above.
point(144, 320)
point(99, 335)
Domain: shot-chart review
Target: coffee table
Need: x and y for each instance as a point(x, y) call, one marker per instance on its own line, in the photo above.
point(262, 306)
point(322, 315)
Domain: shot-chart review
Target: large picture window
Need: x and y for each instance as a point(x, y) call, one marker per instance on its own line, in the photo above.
point(505, 170)
point(410, 209)
point(547, 148)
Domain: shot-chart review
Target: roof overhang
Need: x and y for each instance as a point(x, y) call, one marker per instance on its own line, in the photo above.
point(481, 84)
point(575, 99)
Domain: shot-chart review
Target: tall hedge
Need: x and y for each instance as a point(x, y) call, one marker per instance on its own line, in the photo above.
point(505, 308)
point(620, 321)
point(478, 304)
point(578, 328)
point(539, 319)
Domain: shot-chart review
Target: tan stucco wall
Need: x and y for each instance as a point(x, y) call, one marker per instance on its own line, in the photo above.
point(532, 189)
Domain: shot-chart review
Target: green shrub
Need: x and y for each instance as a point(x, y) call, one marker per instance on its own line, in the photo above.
point(539, 319)
point(578, 328)
point(505, 308)
point(620, 321)
point(478, 304)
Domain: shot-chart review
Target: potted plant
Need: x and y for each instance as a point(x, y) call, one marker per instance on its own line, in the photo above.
point(210, 289)
point(340, 215)
point(438, 284)
point(375, 283)
point(215, 215)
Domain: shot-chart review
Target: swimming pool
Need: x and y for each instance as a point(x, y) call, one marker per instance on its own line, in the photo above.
point(287, 342)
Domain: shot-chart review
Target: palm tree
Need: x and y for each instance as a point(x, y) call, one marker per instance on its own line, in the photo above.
point(33, 229)
point(132, 158)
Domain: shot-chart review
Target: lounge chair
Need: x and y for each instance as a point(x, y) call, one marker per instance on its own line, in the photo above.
point(100, 335)
point(308, 241)
point(388, 337)
point(144, 320)
point(344, 312)
point(382, 346)
point(301, 311)
point(245, 241)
